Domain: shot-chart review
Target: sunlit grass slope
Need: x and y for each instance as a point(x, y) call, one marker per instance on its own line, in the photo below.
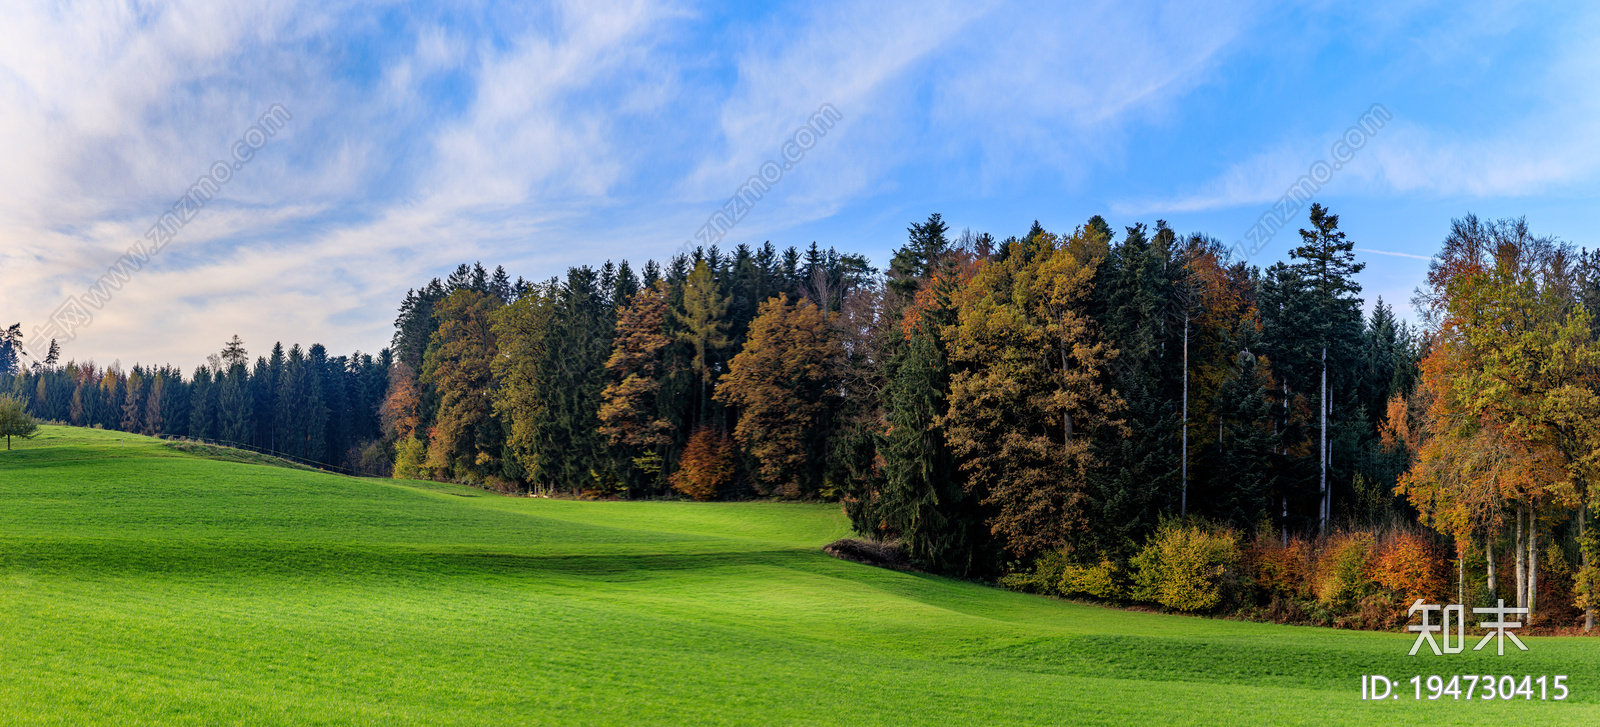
point(140, 585)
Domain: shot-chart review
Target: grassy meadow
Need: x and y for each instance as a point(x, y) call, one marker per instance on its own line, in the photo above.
point(144, 585)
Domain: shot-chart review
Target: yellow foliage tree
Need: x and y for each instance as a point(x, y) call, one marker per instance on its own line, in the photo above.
point(1028, 387)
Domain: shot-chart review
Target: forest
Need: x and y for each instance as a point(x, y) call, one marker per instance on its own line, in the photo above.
point(1128, 416)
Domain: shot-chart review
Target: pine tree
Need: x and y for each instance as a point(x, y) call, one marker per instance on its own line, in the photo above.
point(570, 377)
point(233, 354)
point(1242, 459)
point(202, 405)
point(922, 501)
point(235, 406)
point(1135, 298)
point(915, 261)
point(133, 401)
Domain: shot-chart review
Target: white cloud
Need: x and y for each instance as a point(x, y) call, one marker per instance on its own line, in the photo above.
point(1550, 142)
point(553, 135)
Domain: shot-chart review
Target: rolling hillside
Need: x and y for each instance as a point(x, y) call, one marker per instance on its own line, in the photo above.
point(142, 585)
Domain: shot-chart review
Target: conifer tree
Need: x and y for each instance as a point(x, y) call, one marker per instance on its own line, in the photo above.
point(1027, 395)
point(235, 406)
point(1328, 268)
point(571, 375)
point(202, 406)
point(133, 401)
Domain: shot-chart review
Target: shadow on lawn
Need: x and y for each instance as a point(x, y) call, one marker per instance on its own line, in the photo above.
point(204, 559)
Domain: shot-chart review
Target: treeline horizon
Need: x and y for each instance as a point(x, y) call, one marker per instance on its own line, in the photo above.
point(981, 401)
point(298, 403)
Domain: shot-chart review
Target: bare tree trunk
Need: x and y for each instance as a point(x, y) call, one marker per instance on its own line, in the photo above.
point(1461, 578)
point(1184, 509)
point(1521, 560)
point(1583, 521)
point(1275, 431)
point(1066, 417)
point(1488, 554)
point(1322, 452)
point(1533, 558)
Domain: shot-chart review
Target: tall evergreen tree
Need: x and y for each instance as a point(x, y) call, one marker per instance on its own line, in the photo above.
point(235, 406)
point(1328, 267)
point(571, 375)
point(203, 405)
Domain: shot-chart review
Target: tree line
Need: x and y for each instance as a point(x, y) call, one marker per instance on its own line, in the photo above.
point(982, 402)
point(301, 403)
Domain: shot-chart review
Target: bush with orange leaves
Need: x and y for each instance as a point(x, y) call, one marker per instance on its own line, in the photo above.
point(1409, 564)
point(707, 465)
point(1281, 569)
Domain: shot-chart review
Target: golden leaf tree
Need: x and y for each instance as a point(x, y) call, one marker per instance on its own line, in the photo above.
point(1028, 387)
point(630, 414)
point(1506, 440)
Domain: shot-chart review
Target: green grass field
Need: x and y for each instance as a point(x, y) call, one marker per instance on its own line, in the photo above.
point(142, 585)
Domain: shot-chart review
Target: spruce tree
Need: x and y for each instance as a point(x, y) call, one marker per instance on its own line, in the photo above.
point(1242, 471)
point(1135, 300)
point(705, 325)
point(202, 412)
point(1328, 267)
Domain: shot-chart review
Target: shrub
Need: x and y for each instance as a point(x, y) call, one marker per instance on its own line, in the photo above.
point(1183, 565)
point(707, 465)
point(1281, 570)
point(1377, 612)
point(1044, 577)
point(374, 460)
point(1586, 583)
point(1344, 569)
point(869, 552)
point(1102, 580)
point(1410, 565)
point(410, 460)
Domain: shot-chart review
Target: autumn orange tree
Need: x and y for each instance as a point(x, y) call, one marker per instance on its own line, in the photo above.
point(630, 413)
point(784, 383)
point(707, 466)
point(1028, 391)
point(1510, 384)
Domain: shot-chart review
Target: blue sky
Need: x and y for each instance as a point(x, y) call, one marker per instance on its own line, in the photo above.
point(543, 136)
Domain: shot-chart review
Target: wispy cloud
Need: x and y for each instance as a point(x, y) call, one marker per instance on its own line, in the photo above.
point(1393, 254)
point(1546, 141)
point(545, 135)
